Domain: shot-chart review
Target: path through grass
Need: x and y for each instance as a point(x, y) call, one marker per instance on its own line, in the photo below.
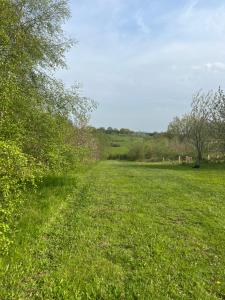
point(122, 231)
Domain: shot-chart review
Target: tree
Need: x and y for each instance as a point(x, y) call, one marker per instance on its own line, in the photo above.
point(217, 117)
point(31, 34)
point(35, 107)
point(109, 130)
point(199, 123)
point(42, 123)
point(125, 131)
point(31, 43)
point(195, 126)
point(180, 127)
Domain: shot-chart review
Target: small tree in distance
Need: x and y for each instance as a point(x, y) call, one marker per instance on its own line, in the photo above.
point(199, 123)
point(195, 126)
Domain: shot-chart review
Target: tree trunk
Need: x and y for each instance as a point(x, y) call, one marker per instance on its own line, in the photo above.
point(198, 160)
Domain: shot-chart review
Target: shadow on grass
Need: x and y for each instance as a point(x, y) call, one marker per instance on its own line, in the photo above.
point(56, 181)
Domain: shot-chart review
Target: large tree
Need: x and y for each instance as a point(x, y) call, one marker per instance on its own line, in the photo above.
point(34, 106)
point(31, 43)
point(42, 123)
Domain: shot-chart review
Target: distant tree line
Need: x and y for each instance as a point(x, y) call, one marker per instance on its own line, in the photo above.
point(126, 131)
point(111, 130)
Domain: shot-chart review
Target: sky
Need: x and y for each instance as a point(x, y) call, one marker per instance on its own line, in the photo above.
point(142, 60)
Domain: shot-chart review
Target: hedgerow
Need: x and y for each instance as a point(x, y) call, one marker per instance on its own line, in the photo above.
point(17, 171)
point(42, 122)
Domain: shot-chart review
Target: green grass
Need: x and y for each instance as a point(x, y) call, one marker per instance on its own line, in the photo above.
point(122, 231)
point(125, 142)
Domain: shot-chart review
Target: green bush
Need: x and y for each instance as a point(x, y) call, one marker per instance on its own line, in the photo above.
point(137, 152)
point(65, 157)
point(16, 171)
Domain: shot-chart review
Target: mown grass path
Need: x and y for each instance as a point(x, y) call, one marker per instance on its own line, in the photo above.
point(122, 231)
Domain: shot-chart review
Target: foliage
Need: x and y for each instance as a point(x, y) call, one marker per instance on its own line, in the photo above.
point(136, 153)
point(120, 131)
point(16, 171)
point(148, 147)
point(195, 126)
point(102, 143)
point(217, 119)
point(41, 121)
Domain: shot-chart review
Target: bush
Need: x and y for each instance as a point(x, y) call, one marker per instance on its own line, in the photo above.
point(137, 153)
point(16, 170)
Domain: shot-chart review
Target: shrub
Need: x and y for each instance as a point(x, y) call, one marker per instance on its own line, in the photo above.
point(16, 171)
point(137, 153)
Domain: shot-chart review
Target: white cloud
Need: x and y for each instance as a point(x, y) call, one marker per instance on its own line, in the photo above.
point(214, 67)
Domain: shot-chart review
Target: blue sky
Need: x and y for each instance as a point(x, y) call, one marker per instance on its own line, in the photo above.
point(142, 60)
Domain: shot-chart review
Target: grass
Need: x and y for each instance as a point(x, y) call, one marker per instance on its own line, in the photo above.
point(122, 231)
point(124, 142)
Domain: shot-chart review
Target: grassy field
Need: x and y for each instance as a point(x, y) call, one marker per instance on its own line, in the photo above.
point(124, 143)
point(121, 231)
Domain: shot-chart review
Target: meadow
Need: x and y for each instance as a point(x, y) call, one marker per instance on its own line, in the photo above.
point(121, 230)
point(151, 147)
point(120, 145)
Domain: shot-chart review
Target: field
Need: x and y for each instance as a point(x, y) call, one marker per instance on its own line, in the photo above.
point(144, 147)
point(121, 230)
point(123, 143)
